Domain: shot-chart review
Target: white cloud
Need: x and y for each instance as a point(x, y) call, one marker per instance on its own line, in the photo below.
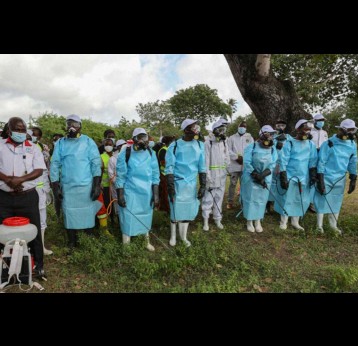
point(104, 87)
point(213, 70)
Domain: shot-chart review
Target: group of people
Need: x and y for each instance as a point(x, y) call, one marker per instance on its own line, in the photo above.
point(288, 172)
point(295, 171)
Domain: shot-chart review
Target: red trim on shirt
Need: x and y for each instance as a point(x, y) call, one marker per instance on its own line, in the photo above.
point(9, 140)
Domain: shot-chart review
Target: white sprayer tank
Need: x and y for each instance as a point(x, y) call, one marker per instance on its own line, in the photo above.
point(17, 227)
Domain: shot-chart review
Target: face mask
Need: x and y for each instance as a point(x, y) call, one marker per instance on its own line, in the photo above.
point(304, 135)
point(108, 148)
point(33, 139)
point(113, 140)
point(151, 144)
point(18, 137)
point(72, 132)
point(280, 128)
point(319, 124)
point(241, 130)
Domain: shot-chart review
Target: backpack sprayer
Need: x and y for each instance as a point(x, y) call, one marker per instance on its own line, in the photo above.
point(15, 259)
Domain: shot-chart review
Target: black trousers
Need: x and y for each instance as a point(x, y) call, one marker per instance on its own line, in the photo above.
point(25, 205)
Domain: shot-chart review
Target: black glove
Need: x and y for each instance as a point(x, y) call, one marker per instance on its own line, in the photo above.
point(57, 193)
point(155, 189)
point(283, 180)
point(320, 183)
point(313, 176)
point(279, 145)
point(120, 198)
point(240, 160)
point(352, 182)
point(96, 188)
point(171, 187)
point(260, 178)
point(202, 182)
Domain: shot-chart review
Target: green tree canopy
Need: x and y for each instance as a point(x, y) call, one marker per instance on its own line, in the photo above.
point(157, 117)
point(320, 80)
point(199, 102)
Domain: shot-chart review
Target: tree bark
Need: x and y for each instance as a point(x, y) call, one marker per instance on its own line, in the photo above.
point(269, 98)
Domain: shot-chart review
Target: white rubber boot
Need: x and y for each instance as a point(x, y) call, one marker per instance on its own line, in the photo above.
point(332, 218)
point(258, 227)
point(295, 224)
point(206, 224)
point(250, 226)
point(149, 246)
point(126, 239)
point(219, 224)
point(46, 252)
point(183, 231)
point(173, 234)
point(320, 223)
point(283, 222)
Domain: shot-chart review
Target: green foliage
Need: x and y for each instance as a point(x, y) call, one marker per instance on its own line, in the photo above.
point(321, 80)
point(342, 278)
point(233, 105)
point(158, 118)
point(199, 102)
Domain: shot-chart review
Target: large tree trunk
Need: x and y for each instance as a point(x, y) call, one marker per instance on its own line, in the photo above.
point(270, 99)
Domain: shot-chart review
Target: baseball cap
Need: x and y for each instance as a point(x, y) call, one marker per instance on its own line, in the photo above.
point(219, 123)
point(266, 128)
point(319, 117)
point(138, 131)
point(347, 124)
point(74, 117)
point(186, 123)
point(120, 142)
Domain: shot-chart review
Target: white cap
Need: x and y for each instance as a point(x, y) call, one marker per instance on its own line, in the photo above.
point(319, 117)
point(266, 128)
point(138, 131)
point(74, 117)
point(186, 123)
point(300, 122)
point(120, 142)
point(29, 132)
point(347, 124)
point(219, 123)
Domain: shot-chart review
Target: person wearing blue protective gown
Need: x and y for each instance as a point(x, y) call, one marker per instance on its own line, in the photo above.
point(279, 140)
point(184, 160)
point(137, 184)
point(75, 173)
point(336, 156)
point(259, 161)
point(297, 161)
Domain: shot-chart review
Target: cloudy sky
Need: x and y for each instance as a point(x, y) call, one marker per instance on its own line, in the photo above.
point(105, 87)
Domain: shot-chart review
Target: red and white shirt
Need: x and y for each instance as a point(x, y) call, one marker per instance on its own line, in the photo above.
point(18, 161)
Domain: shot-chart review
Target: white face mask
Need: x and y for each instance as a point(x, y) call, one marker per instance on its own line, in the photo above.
point(108, 148)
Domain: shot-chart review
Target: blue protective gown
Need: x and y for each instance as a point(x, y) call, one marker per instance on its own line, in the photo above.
point(188, 161)
point(334, 162)
point(276, 171)
point(75, 161)
point(137, 178)
point(296, 158)
point(253, 196)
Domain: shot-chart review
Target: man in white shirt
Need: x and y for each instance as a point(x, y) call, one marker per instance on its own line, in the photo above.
point(318, 134)
point(236, 145)
point(21, 163)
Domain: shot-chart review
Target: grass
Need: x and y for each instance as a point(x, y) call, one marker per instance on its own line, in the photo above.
point(229, 260)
